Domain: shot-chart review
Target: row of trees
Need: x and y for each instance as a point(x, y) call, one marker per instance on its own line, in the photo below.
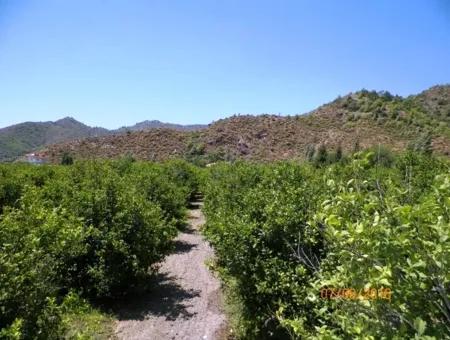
point(284, 233)
point(92, 229)
point(320, 155)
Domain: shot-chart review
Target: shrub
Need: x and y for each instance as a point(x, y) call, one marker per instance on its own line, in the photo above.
point(422, 144)
point(283, 232)
point(94, 228)
point(66, 159)
point(339, 153)
point(321, 156)
point(37, 244)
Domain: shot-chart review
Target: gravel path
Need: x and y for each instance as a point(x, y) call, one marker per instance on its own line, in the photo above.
point(185, 302)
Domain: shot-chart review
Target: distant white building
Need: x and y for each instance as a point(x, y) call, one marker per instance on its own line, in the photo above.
point(32, 158)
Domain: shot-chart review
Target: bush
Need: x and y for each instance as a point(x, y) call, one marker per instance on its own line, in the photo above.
point(37, 244)
point(66, 159)
point(422, 144)
point(284, 232)
point(321, 156)
point(94, 228)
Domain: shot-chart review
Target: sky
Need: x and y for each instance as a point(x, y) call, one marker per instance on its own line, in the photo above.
point(112, 63)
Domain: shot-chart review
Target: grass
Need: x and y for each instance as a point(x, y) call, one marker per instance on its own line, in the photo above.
point(232, 304)
point(92, 324)
point(82, 321)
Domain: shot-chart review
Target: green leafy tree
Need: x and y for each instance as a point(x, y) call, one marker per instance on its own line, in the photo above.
point(66, 159)
point(321, 156)
point(310, 151)
point(92, 229)
point(339, 153)
point(356, 146)
point(283, 232)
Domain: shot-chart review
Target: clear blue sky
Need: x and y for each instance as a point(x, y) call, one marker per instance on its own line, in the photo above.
point(115, 62)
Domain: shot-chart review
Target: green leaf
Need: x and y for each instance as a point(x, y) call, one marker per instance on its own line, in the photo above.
point(419, 325)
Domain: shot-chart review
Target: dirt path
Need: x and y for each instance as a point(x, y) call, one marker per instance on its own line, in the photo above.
point(185, 302)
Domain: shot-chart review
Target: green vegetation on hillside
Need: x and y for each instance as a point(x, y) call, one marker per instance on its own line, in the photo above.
point(428, 112)
point(19, 139)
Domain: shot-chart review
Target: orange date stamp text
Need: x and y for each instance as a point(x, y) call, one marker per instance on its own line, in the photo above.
point(356, 294)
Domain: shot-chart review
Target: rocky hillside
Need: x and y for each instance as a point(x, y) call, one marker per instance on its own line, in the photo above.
point(360, 119)
point(156, 124)
point(19, 139)
point(155, 144)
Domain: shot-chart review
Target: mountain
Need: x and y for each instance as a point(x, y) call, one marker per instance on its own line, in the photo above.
point(359, 119)
point(156, 124)
point(16, 140)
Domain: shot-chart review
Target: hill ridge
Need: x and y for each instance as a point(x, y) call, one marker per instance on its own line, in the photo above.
point(20, 138)
point(363, 117)
point(360, 119)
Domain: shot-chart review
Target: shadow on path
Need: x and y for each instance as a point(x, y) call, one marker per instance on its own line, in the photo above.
point(187, 229)
point(182, 246)
point(194, 205)
point(163, 297)
point(183, 301)
point(196, 202)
